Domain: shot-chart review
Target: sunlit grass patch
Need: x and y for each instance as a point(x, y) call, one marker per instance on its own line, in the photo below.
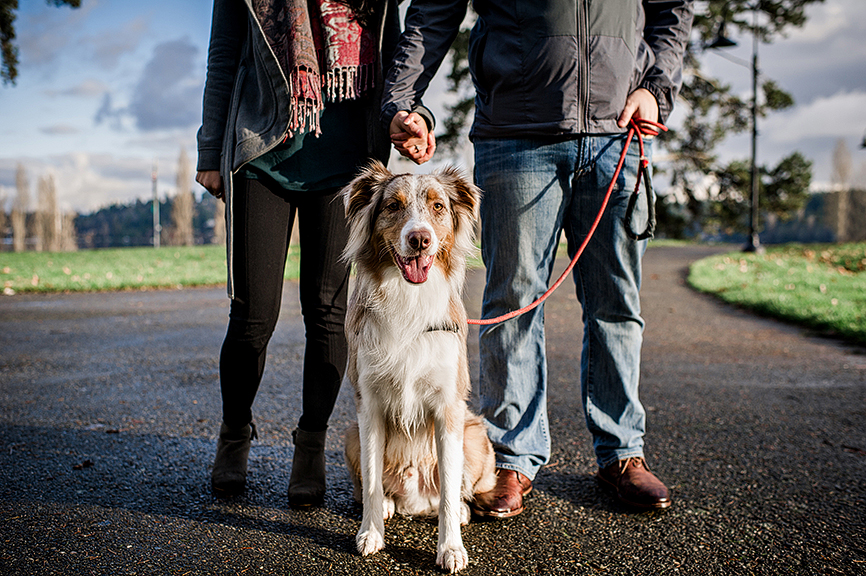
point(118, 269)
point(820, 286)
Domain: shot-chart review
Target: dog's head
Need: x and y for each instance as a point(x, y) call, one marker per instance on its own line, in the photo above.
point(410, 221)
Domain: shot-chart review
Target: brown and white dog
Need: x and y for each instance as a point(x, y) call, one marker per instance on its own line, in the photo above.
point(416, 449)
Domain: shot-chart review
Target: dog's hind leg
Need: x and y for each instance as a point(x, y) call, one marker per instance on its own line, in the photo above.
point(371, 536)
point(450, 552)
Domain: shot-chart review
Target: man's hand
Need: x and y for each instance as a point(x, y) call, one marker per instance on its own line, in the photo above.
point(411, 138)
point(212, 182)
point(640, 104)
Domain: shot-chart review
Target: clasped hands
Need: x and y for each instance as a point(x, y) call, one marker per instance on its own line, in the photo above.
point(411, 137)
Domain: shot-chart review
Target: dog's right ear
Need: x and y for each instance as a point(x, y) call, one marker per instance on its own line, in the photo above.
point(359, 193)
point(360, 197)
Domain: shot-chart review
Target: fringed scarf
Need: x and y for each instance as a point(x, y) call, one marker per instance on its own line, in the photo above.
point(323, 51)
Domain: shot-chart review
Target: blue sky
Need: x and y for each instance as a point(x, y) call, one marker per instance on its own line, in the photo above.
point(106, 90)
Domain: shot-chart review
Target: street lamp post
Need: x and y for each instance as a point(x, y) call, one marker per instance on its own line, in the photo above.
point(753, 243)
point(157, 228)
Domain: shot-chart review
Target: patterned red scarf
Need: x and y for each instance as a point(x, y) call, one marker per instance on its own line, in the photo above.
point(323, 51)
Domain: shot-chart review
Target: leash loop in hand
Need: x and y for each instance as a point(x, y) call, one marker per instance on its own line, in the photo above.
point(628, 220)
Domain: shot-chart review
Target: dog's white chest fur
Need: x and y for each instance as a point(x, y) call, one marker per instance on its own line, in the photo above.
point(407, 362)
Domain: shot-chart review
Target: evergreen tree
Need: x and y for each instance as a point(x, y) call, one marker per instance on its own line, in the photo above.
point(8, 49)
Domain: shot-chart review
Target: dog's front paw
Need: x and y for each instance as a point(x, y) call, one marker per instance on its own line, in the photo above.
point(369, 541)
point(452, 558)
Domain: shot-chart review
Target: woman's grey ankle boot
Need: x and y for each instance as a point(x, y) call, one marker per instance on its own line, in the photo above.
point(307, 483)
point(229, 475)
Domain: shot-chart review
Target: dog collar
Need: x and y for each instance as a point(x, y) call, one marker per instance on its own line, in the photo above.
point(445, 326)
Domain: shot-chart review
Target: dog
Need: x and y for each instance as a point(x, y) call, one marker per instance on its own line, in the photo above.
point(416, 448)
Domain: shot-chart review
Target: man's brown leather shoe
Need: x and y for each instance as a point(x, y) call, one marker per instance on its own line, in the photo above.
point(506, 498)
point(634, 484)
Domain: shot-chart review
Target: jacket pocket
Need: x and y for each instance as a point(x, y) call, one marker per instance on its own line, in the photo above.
point(234, 107)
point(613, 70)
point(549, 80)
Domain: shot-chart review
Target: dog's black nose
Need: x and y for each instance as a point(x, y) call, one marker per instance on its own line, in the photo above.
point(419, 239)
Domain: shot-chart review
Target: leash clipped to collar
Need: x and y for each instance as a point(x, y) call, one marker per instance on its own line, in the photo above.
point(637, 127)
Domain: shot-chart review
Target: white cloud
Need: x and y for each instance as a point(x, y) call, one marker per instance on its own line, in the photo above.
point(87, 182)
point(842, 114)
point(81, 180)
point(829, 20)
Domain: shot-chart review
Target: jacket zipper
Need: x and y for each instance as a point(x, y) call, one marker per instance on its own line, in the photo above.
point(582, 66)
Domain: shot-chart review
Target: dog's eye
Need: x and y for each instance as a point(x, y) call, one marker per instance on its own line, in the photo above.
point(438, 206)
point(393, 206)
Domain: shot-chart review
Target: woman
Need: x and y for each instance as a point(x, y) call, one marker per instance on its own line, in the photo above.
point(291, 108)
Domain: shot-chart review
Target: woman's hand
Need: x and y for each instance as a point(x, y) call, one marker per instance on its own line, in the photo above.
point(212, 182)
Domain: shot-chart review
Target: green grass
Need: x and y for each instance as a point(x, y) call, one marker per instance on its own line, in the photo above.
point(129, 269)
point(118, 269)
point(822, 287)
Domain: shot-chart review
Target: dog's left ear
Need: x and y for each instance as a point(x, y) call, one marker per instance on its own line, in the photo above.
point(464, 195)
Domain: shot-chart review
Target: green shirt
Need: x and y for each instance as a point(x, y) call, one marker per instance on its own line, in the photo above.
point(310, 163)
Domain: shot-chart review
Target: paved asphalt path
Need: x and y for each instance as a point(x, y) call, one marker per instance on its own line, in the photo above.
point(109, 411)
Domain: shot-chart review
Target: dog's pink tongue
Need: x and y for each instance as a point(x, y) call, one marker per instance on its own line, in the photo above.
point(415, 269)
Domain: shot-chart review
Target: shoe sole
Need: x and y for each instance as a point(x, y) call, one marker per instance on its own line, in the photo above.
point(500, 515)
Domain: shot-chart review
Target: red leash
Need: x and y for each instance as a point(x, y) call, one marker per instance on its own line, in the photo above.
point(639, 127)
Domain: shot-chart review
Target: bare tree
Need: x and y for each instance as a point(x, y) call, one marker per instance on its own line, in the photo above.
point(19, 210)
point(68, 241)
point(840, 177)
point(37, 221)
point(183, 207)
point(219, 223)
point(48, 218)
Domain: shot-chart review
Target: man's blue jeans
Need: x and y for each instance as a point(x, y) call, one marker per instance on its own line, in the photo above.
point(533, 190)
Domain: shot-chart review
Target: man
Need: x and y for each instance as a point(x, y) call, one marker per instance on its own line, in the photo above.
point(557, 82)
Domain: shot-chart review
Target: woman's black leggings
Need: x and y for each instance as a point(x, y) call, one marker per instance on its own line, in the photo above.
point(262, 221)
